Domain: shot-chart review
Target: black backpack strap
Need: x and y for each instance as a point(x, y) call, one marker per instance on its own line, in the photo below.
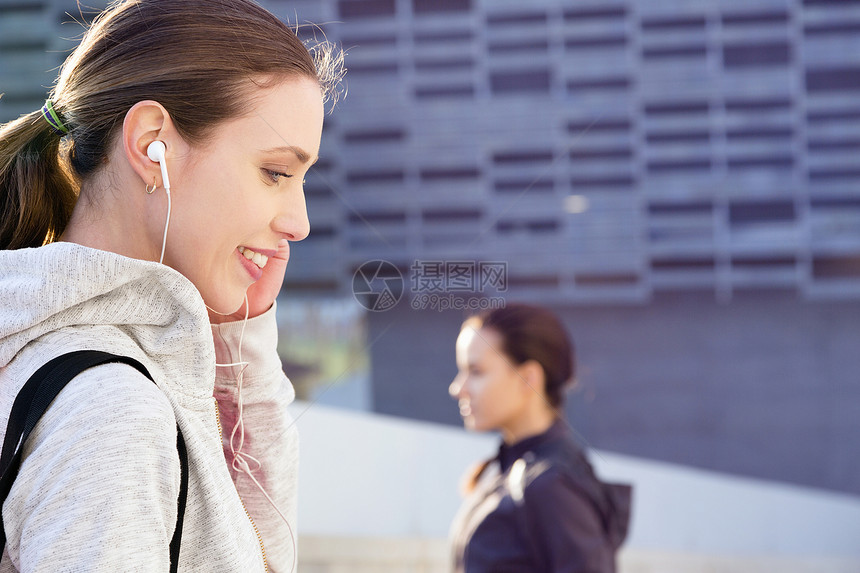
point(183, 497)
point(33, 401)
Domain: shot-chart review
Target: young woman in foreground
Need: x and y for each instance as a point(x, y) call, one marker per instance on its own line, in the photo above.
point(537, 506)
point(147, 210)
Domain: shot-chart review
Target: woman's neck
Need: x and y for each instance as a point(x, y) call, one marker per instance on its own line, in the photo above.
point(110, 220)
point(534, 423)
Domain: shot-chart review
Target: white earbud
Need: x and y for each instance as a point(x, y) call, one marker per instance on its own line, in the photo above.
point(155, 151)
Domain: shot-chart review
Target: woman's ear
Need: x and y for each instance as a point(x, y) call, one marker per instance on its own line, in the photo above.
point(532, 373)
point(144, 123)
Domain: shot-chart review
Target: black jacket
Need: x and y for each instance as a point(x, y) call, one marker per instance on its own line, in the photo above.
point(541, 511)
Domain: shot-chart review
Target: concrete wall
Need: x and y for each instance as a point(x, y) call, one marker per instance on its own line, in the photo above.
point(378, 493)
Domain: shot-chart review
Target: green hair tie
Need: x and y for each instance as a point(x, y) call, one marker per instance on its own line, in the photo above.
point(53, 119)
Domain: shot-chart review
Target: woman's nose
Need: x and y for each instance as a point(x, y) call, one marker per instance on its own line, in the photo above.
point(292, 220)
point(455, 388)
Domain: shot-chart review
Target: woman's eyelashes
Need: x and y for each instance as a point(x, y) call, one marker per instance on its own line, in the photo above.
point(275, 176)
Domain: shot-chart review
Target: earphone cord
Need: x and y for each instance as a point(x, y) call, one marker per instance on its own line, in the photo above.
point(166, 224)
point(240, 458)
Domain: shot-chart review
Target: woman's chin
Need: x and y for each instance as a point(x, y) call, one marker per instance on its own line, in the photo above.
point(223, 306)
point(473, 425)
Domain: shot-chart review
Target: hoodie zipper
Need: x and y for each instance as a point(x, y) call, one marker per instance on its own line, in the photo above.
point(251, 519)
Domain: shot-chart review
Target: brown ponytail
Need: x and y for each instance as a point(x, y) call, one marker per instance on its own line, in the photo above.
point(200, 59)
point(470, 479)
point(37, 192)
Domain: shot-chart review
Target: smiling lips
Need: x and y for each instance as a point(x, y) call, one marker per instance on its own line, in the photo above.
point(465, 408)
point(258, 259)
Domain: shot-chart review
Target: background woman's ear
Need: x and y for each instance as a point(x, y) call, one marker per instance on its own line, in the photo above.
point(533, 375)
point(144, 123)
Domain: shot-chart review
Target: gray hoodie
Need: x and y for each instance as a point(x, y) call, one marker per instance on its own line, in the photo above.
point(98, 485)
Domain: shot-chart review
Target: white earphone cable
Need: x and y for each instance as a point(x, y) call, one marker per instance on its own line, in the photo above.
point(240, 458)
point(157, 152)
point(166, 225)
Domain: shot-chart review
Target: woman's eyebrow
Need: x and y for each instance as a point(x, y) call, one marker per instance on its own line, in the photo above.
point(300, 153)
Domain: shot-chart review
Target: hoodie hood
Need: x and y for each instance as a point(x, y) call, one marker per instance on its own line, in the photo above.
point(77, 290)
point(612, 501)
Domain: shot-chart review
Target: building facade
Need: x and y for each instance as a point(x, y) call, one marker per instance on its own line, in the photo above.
point(678, 179)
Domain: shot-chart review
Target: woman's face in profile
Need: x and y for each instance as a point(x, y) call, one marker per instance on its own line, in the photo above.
point(488, 387)
point(236, 195)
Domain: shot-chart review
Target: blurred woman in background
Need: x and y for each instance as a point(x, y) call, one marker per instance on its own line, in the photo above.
point(537, 506)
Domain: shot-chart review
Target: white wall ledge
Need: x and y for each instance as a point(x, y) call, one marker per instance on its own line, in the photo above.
point(367, 476)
